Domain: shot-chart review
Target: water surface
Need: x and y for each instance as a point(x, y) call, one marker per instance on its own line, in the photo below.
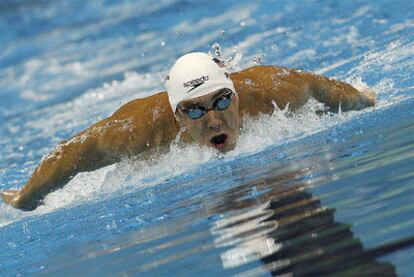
point(300, 193)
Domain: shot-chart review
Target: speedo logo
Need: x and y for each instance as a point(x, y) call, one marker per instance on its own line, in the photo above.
point(195, 83)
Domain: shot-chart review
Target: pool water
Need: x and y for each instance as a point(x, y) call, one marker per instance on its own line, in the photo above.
point(301, 193)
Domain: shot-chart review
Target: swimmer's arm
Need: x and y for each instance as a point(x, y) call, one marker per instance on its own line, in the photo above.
point(296, 87)
point(128, 132)
point(57, 169)
point(335, 94)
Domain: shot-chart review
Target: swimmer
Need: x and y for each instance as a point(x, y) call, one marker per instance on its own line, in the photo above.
point(203, 104)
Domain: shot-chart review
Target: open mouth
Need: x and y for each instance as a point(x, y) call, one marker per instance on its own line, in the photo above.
point(219, 141)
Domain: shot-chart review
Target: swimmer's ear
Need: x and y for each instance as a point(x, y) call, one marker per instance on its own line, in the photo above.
point(11, 197)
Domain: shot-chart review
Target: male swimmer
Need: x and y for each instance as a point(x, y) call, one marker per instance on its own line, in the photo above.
point(203, 102)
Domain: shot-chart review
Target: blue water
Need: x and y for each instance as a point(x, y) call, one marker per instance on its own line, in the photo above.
point(66, 64)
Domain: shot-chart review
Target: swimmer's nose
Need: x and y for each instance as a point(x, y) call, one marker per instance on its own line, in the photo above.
point(213, 123)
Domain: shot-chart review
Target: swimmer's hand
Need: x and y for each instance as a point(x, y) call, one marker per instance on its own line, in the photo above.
point(11, 197)
point(370, 95)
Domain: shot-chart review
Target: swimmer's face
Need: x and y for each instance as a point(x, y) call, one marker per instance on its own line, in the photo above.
point(212, 119)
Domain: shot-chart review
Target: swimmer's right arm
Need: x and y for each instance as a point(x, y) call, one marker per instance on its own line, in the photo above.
point(69, 158)
point(129, 131)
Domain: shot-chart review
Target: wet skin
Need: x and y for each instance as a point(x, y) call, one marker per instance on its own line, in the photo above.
point(145, 125)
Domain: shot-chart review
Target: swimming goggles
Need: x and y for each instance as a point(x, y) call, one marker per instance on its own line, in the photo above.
point(221, 103)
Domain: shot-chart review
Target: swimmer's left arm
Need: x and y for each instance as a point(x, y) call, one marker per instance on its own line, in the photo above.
point(337, 94)
point(298, 86)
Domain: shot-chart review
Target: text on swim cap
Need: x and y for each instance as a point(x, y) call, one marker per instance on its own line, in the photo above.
point(196, 82)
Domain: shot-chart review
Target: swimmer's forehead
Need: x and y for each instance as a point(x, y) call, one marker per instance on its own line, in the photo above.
point(205, 99)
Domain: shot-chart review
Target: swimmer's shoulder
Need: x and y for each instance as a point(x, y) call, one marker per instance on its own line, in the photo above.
point(140, 106)
point(259, 75)
point(145, 122)
point(259, 71)
point(257, 78)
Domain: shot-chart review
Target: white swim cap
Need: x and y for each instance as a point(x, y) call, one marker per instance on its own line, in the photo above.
point(194, 75)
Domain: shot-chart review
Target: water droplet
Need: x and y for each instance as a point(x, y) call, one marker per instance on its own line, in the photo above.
point(259, 59)
point(163, 43)
point(217, 49)
point(243, 23)
point(111, 226)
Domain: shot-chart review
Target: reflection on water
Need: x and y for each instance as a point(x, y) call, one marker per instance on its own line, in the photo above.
point(292, 233)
